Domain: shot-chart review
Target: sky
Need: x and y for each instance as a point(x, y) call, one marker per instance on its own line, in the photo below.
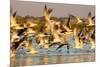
point(35, 9)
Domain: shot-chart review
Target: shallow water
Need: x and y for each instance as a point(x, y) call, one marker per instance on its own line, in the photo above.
point(53, 56)
point(29, 60)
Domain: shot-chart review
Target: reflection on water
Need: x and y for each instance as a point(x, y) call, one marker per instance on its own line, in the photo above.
point(24, 60)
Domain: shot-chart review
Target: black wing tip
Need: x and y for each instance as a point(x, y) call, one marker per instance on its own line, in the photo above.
point(14, 14)
point(45, 7)
point(89, 14)
point(93, 17)
point(50, 10)
point(71, 16)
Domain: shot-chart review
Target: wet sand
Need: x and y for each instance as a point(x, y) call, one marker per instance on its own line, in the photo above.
point(29, 60)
